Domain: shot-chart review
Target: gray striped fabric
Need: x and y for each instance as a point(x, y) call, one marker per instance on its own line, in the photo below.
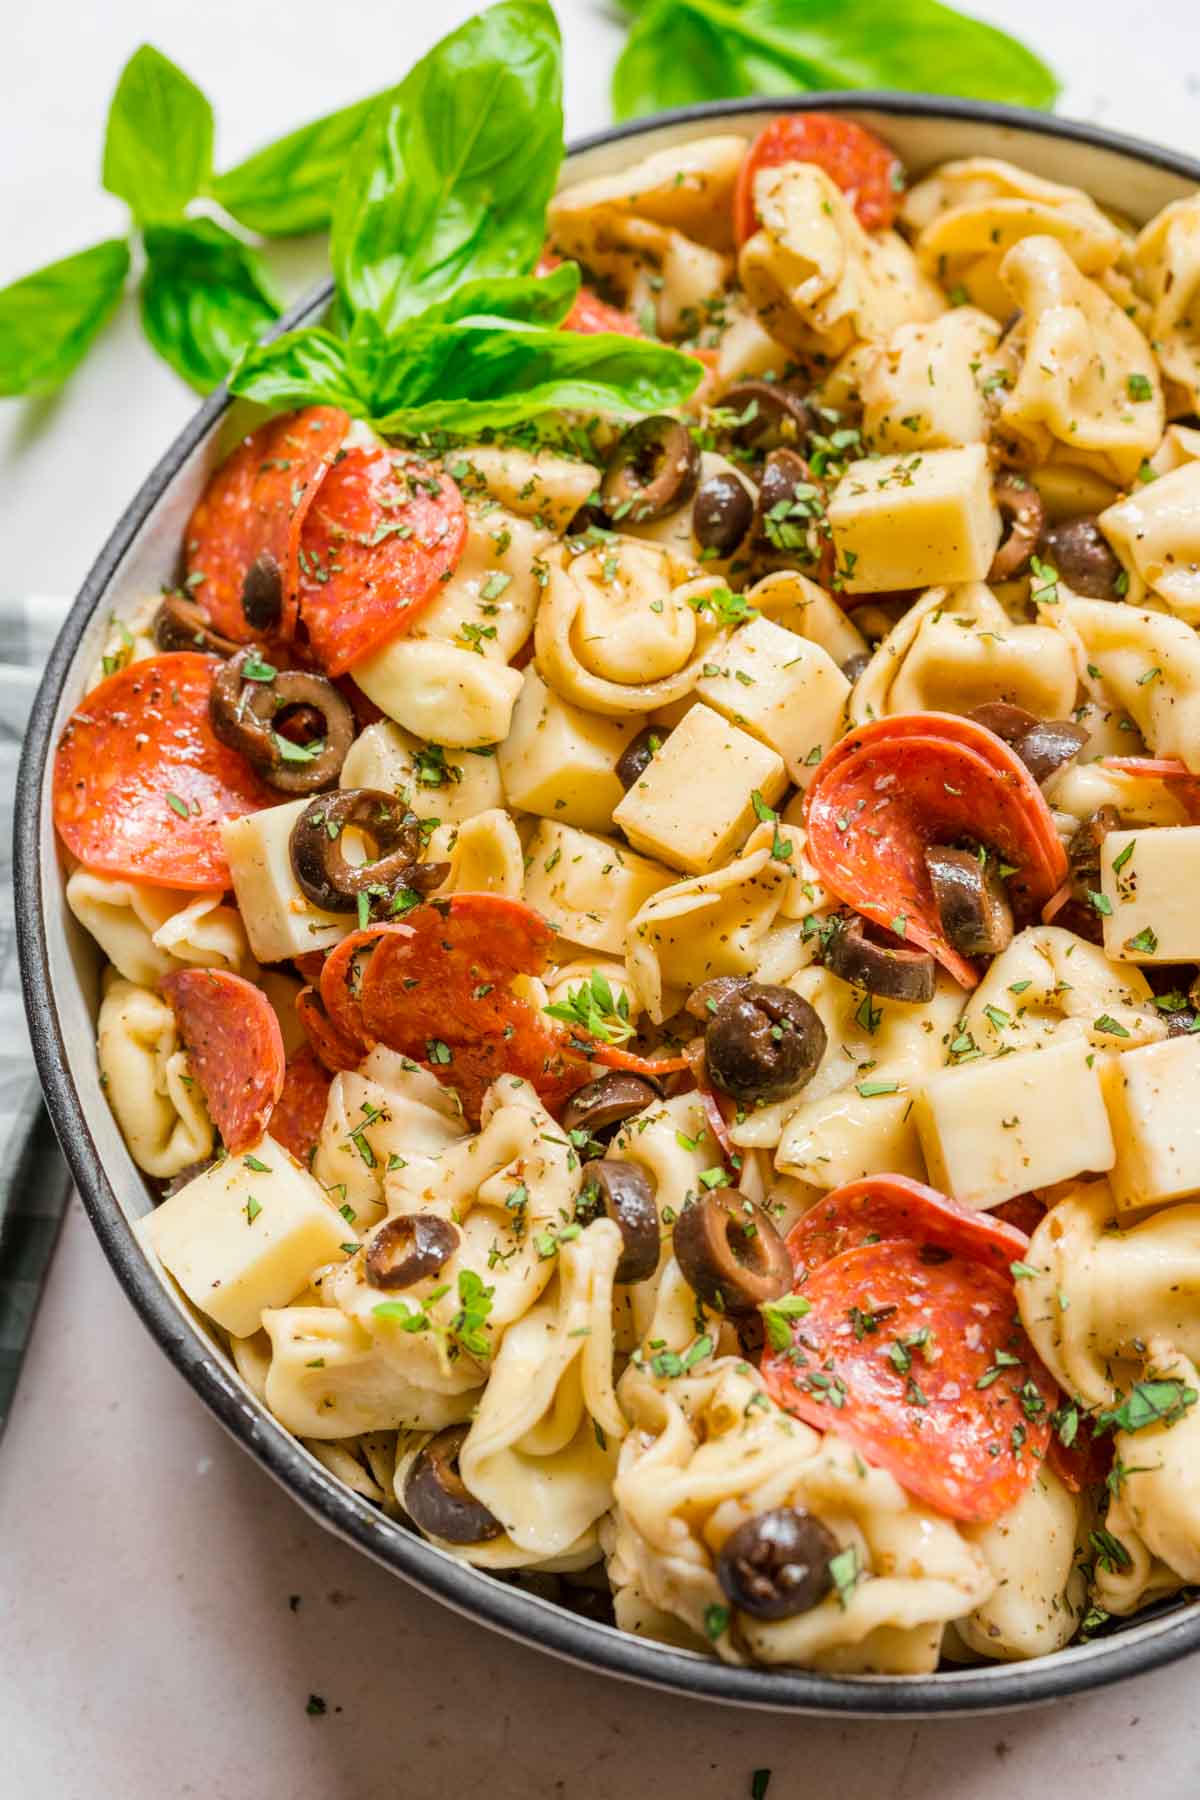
point(34, 1183)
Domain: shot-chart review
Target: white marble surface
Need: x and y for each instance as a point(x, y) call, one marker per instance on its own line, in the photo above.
point(148, 1646)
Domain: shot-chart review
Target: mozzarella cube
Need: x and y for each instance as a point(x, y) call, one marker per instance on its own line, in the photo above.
point(280, 920)
point(451, 786)
point(561, 762)
point(694, 806)
point(915, 521)
point(780, 688)
point(1151, 1094)
point(588, 887)
point(247, 1234)
point(1150, 879)
point(996, 1128)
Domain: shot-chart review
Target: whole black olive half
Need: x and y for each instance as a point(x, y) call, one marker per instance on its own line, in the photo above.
point(763, 1042)
point(868, 956)
point(1047, 747)
point(652, 471)
point(624, 1193)
point(319, 861)
point(730, 1252)
point(790, 505)
point(436, 1499)
point(407, 1249)
point(1020, 507)
point(765, 415)
point(1080, 554)
point(250, 701)
point(1004, 719)
point(181, 624)
point(971, 900)
point(776, 1564)
point(722, 512)
point(262, 593)
point(639, 753)
point(600, 1106)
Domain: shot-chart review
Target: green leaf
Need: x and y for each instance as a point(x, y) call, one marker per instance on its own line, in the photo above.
point(683, 51)
point(158, 147)
point(451, 177)
point(205, 298)
point(525, 299)
point(301, 368)
point(48, 319)
point(467, 376)
point(289, 187)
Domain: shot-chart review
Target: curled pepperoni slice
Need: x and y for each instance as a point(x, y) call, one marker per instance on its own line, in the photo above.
point(589, 313)
point(614, 1057)
point(252, 512)
point(341, 980)
point(443, 994)
point(868, 172)
point(141, 785)
point(882, 1208)
point(887, 791)
point(335, 1048)
point(911, 1354)
point(382, 535)
point(235, 1048)
point(300, 1109)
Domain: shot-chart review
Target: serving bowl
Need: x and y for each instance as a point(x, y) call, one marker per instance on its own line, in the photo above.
point(61, 967)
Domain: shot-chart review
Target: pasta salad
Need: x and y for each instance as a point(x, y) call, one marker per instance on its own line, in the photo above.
point(649, 954)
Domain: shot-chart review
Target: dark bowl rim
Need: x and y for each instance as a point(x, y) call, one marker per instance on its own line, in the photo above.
point(521, 1616)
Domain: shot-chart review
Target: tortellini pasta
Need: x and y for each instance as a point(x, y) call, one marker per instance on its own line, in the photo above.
point(1050, 982)
point(928, 387)
point(145, 932)
point(389, 1114)
point(1041, 1588)
point(148, 1081)
point(1166, 265)
point(441, 691)
point(1149, 665)
point(1156, 533)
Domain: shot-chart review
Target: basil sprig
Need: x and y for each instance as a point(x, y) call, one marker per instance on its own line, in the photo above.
point(438, 325)
point(683, 51)
point(48, 319)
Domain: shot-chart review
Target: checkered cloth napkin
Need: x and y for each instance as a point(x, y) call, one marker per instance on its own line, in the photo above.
point(34, 1181)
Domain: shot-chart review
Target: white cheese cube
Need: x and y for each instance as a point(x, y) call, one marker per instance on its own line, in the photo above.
point(996, 1128)
point(588, 887)
point(915, 521)
point(451, 786)
point(1150, 879)
point(1151, 1094)
point(440, 692)
point(560, 762)
point(247, 1234)
point(694, 806)
point(781, 689)
point(280, 921)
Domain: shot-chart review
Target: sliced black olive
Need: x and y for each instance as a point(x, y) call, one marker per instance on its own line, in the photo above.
point(249, 712)
point(652, 471)
point(766, 414)
point(639, 753)
point(262, 593)
point(601, 1105)
point(1049, 746)
point(972, 904)
point(1080, 553)
point(776, 1564)
point(722, 513)
point(409, 1248)
point(624, 1193)
point(1087, 842)
point(730, 1253)
point(856, 665)
point(763, 1042)
point(789, 503)
point(1007, 721)
point(319, 861)
point(180, 624)
point(436, 1499)
point(1021, 509)
point(870, 957)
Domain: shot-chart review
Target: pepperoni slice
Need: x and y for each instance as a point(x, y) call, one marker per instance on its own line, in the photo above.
point(382, 535)
point(614, 1057)
point(883, 1208)
point(868, 172)
point(590, 313)
point(254, 507)
point(442, 994)
point(300, 1109)
point(1083, 1463)
point(341, 980)
point(141, 785)
point(887, 791)
point(1024, 1212)
point(335, 1048)
point(912, 1355)
point(235, 1047)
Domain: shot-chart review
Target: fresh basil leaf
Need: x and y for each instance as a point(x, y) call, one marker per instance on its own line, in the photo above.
point(205, 297)
point(158, 147)
point(48, 319)
point(289, 187)
point(464, 377)
point(683, 51)
point(451, 177)
point(301, 368)
point(529, 299)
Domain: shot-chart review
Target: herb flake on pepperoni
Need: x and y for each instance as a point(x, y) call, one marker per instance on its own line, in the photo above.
point(866, 169)
point(235, 1047)
point(252, 512)
point(382, 536)
point(142, 786)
